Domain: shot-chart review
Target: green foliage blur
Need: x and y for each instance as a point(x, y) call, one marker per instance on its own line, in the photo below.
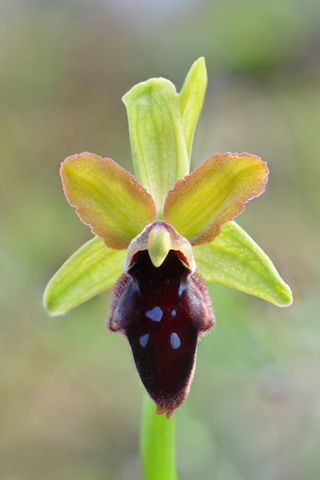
point(70, 398)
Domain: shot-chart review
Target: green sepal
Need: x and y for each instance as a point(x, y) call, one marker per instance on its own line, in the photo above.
point(157, 141)
point(89, 271)
point(234, 259)
point(191, 100)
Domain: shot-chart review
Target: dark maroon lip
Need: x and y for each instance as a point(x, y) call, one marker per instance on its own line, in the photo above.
point(163, 311)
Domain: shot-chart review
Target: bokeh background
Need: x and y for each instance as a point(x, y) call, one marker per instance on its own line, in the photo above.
point(70, 398)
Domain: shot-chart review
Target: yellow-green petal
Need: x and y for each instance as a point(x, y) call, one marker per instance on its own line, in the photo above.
point(234, 259)
point(89, 271)
point(191, 100)
point(213, 194)
point(107, 197)
point(158, 146)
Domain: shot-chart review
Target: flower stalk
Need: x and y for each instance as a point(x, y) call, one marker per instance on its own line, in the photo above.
point(157, 444)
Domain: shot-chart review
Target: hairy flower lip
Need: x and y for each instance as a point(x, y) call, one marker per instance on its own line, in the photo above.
point(163, 312)
point(177, 243)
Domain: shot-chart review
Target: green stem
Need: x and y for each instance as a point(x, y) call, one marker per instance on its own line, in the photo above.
point(157, 444)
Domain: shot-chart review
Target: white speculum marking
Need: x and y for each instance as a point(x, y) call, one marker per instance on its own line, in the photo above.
point(155, 314)
point(175, 340)
point(181, 289)
point(143, 340)
point(173, 313)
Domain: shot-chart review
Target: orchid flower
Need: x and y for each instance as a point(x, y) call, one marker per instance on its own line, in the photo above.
point(161, 234)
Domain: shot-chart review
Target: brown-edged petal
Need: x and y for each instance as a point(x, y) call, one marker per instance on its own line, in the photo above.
point(107, 198)
point(213, 194)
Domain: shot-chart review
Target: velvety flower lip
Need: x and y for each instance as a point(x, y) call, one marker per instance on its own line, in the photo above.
point(163, 311)
point(162, 234)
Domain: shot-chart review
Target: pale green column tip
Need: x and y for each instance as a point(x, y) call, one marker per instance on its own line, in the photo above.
point(159, 245)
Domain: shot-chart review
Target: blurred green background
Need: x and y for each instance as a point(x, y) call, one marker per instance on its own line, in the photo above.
point(70, 398)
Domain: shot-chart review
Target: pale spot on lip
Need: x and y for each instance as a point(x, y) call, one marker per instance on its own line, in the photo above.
point(175, 340)
point(155, 314)
point(173, 313)
point(181, 289)
point(143, 340)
